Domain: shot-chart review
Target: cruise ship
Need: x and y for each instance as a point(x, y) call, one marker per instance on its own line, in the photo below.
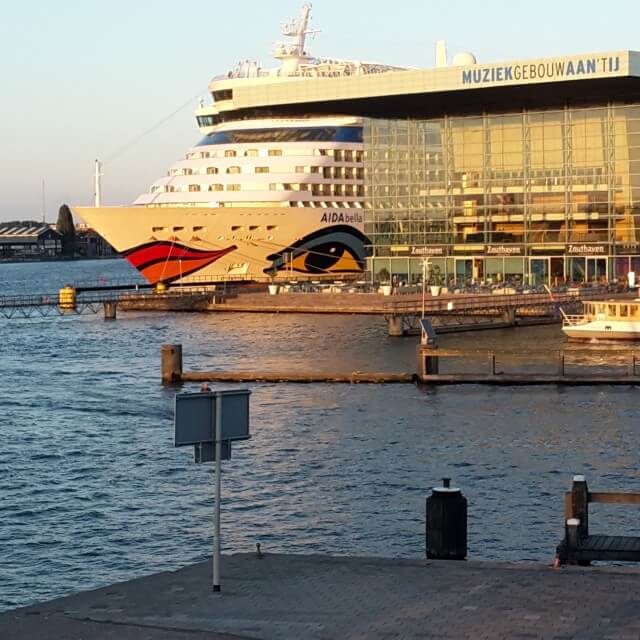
point(266, 193)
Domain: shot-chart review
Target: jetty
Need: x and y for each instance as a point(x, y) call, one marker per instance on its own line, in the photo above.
point(580, 545)
point(573, 366)
point(402, 311)
point(289, 597)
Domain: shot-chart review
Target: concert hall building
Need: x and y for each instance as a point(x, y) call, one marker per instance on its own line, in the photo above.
point(524, 172)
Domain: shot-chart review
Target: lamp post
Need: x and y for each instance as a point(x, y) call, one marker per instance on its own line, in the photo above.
point(425, 266)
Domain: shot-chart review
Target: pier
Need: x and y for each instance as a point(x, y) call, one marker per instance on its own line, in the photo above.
point(402, 312)
point(604, 365)
point(580, 546)
point(289, 597)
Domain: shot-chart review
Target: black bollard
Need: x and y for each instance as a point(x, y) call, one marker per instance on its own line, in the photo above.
point(446, 528)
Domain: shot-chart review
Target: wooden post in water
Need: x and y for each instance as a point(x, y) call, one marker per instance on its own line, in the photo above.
point(492, 363)
point(395, 326)
point(427, 360)
point(171, 355)
point(561, 364)
point(579, 503)
point(509, 316)
point(110, 310)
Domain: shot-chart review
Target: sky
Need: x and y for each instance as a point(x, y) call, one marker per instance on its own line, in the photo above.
point(82, 80)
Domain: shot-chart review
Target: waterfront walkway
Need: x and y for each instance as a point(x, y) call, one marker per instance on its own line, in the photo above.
point(287, 597)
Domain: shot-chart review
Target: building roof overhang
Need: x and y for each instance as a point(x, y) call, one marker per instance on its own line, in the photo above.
point(589, 79)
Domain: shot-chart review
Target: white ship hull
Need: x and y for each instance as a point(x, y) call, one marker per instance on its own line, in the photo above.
point(190, 245)
point(267, 192)
point(603, 330)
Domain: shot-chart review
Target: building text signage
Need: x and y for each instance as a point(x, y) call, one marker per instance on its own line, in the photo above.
point(505, 250)
point(587, 249)
point(427, 251)
point(548, 70)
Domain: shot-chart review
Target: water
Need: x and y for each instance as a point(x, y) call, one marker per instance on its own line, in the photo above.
point(92, 490)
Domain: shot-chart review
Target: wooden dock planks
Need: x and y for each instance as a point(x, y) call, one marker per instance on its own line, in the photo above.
point(581, 547)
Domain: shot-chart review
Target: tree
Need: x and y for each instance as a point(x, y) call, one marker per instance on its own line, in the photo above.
point(66, 228)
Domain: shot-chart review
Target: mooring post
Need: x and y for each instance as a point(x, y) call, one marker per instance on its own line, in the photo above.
point(446, 523)
point(579, 504)
point(633, 365)
point(572, 538)
point(171, 356)
point(427, 360)
point(110, 310)
point(492, 363)
point(561, 364)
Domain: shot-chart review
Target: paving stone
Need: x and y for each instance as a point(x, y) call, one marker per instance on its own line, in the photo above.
point(287, 597)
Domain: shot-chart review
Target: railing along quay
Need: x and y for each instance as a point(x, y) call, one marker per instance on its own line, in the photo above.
point(449, 313)
point(70, 302)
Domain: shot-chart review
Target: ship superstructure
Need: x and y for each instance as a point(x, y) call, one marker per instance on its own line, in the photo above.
point(267, 191)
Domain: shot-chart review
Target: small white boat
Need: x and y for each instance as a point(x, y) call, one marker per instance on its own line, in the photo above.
point(605, 320)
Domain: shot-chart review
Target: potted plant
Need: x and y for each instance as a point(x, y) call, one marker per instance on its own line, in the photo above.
point(385, 281)
point(273, 287)
point(435, 280)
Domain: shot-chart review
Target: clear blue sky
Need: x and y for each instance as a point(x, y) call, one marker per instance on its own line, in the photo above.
point(79, 80)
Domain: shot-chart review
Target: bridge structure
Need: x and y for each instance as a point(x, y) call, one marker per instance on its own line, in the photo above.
point(402, 313)
point(107, 299)
point(468, 312)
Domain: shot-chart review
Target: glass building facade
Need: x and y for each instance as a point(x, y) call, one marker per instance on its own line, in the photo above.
point(535, 197)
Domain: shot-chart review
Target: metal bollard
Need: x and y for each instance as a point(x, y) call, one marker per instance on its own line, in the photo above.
point(446, 526)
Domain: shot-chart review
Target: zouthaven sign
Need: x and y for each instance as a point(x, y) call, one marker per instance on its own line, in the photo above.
point(586, 249)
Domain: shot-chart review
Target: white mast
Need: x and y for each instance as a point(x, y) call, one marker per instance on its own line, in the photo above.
point(298, 32)
point(97, 189)
point(293, 54)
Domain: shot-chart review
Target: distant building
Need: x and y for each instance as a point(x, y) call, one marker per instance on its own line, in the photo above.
point(90, 244)
point(28, 239)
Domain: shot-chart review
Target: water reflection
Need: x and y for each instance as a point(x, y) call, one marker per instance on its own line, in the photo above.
point(93, 490)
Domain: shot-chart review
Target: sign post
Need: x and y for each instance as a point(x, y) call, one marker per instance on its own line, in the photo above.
point(211, 421)
point(218, 481)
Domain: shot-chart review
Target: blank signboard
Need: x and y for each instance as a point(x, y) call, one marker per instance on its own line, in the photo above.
point(195, 415)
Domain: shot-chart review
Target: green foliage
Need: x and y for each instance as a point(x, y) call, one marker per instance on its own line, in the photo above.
point(67, 229)
point(384, 275)
point(435, 276)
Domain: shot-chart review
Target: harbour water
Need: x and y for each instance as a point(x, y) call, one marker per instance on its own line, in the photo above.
point(92, 490)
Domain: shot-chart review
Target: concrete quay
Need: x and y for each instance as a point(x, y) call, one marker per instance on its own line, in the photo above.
point(288, 597)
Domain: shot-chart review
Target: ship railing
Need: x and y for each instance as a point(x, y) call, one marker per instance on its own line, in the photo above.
point(572, 320)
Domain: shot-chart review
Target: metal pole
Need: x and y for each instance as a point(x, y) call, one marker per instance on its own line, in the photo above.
point(97, 184)
point(216, 523)
point(425, 264)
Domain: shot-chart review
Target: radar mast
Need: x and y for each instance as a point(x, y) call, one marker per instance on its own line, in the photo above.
point(293, 54)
